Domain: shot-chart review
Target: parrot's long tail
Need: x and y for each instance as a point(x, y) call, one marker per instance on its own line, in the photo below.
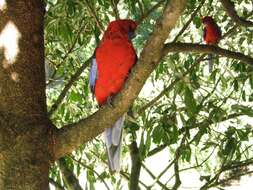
point(210, 62)
point(113, 138)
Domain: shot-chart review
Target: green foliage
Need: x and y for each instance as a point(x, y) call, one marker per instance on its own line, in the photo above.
point(204, 117)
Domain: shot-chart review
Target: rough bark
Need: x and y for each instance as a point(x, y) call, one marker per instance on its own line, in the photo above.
point(24, 131)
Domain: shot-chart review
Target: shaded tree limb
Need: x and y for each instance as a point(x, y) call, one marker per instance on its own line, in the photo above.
point(136, 166)
point(215, 180)
point(199, 48)
point(66, 88)
point(230, 10)
point(73, 135)
point(70, 180)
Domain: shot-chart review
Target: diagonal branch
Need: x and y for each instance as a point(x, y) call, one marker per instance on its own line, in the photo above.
point(189, 21)
point(199, 48)
point(72, 136)
point(67, 87)
point(94, 15)
point(69, 178)
point(151, 10)
point(230, 10)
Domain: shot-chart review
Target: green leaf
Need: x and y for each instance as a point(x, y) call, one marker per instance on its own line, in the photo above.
point(190, 102)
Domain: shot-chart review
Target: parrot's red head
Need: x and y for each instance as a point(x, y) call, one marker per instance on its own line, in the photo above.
point(126, 27)
point(207, 20)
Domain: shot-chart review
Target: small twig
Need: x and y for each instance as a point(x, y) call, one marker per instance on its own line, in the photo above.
point(154, 177)
point(156, 6)
point(163, 172)
point(230, 10)
point(56, 184)
point(67, 87)
point(189, 21)
point(94, 15)
point(168, 88)
point(70, 180)
point(140, 7)
point(91, 169)
point(123, 173)
point(70, 50)
point(115, 8)
point(156, 150)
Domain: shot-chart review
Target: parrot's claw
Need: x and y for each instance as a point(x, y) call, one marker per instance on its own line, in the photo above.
point(109, 101)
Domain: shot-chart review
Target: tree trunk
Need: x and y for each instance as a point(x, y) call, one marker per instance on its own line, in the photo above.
point(24, 127)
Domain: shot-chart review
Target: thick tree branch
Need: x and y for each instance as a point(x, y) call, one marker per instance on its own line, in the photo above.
point(70, 137)
point(199, 48)
point(230, 9)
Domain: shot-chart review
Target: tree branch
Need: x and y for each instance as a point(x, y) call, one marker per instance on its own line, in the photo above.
point(163, 186)
point(230, 10)
point(189, 21)
point(136, 166)
point(114, 4)
point(55, 184)
point(69, 178)
point(71, 136)
point(145, 15)
point(91, 169)
point(70, 50)
point(94, 15)
point(199, 48)
point(67, 87)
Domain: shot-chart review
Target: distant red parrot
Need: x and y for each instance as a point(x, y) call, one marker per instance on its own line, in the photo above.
point(112, 62)
point(212, 35)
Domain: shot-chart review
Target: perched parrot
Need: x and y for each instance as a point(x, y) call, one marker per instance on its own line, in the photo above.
point(111, 64)
point(212, 35)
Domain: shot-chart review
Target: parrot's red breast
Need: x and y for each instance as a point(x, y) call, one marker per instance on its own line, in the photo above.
point(115, 56)
point(212, 32)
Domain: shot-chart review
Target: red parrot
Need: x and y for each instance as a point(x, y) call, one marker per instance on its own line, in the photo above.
point(112, 62)
point(212, 35)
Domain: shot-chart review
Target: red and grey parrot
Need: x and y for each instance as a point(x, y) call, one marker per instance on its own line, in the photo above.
point(111, 64)
point(212, 36)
